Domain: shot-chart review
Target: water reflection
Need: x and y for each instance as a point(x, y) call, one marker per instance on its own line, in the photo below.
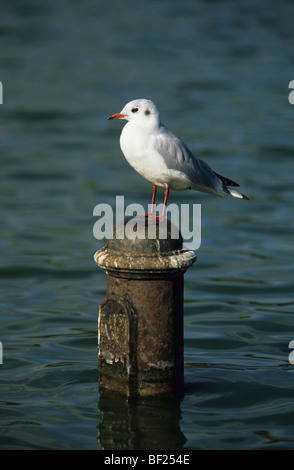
point(149, 424)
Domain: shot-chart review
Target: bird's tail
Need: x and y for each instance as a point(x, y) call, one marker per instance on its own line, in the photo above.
point(227, 182)
point(235, 193)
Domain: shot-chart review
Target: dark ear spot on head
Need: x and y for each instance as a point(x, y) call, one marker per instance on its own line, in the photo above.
point(147, 112)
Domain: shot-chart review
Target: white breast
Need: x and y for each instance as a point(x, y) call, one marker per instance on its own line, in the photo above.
point(139, 150)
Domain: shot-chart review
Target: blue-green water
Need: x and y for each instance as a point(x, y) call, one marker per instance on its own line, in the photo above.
point(219, 72)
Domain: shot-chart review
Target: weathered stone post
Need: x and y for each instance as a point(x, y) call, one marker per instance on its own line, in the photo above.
point(140, 322)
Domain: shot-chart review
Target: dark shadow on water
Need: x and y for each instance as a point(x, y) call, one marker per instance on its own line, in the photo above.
point(145, 424)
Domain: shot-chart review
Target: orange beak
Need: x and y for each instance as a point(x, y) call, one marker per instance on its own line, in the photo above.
point(116, 116)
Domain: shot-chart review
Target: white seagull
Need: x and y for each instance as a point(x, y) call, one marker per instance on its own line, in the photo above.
point(162, 158)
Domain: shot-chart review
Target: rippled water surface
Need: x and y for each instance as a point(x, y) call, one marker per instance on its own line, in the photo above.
point(219, 73)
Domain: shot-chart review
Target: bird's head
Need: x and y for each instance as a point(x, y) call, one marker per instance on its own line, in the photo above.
point(141, 111)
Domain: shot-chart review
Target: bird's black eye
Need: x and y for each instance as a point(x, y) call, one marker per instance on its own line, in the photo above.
point(134, 110)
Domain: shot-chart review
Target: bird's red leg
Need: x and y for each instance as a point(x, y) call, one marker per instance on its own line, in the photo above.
point(154, 189)
point(151, 213)
point(166, 193)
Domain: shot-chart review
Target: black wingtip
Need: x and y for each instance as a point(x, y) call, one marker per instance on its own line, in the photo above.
point(226, 181)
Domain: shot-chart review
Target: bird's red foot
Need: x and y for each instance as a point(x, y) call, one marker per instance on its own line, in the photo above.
point(153, 216)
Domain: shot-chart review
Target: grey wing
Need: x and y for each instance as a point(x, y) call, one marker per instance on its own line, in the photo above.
point(179, 157)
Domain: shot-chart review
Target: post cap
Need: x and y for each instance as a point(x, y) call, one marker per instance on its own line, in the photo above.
point(140, 246)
